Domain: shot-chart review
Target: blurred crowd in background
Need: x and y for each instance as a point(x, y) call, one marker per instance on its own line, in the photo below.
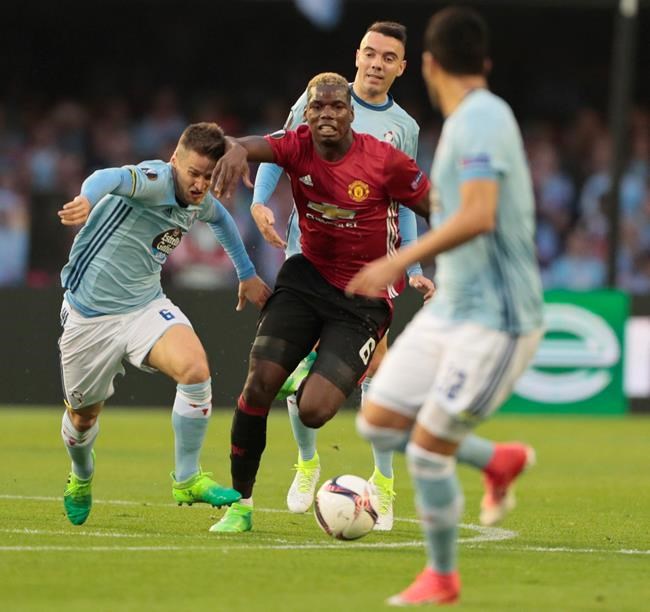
point(47, 151)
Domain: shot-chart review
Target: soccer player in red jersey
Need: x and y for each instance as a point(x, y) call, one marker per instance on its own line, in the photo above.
point(346, 187)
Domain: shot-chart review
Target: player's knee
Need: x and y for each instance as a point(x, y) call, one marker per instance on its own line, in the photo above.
point(315, 415)
point(260, 390)
point(433, 466)
point(83, 422)
point(383, 438)
point(193, 372)
point(85, 418)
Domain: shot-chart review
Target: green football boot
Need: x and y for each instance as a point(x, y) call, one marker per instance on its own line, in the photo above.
point(290, 386)
point(237, 519)
point(201, 489)
point(77, 497)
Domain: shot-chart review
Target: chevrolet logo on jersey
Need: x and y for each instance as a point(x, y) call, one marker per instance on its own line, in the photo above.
point(331, 211)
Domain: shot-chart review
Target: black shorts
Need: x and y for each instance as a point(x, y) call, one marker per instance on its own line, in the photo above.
point(304, 309)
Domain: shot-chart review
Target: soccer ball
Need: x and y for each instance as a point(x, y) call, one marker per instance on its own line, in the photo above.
point(346, 507)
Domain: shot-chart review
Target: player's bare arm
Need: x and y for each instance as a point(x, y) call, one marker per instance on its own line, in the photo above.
point(234, 163)
point(265, 221)
point(253, 290)
point(75, 212)
point(476, 215)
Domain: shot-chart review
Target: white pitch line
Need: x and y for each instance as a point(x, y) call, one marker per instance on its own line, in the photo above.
point(483, 534)
point(91, 534)
point(568, 549)
point(216, 547)
point(323, 546)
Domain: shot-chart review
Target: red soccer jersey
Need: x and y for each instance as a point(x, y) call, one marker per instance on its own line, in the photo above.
point(348, 209)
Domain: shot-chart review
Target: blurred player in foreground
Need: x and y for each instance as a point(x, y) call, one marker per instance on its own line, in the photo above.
point(459, 358)
point(114, 308)
point(346, 187)
point(379, 60)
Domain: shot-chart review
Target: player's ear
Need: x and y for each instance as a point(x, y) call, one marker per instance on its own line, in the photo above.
point(356, 58)
point(428, 63)
point(402, 68)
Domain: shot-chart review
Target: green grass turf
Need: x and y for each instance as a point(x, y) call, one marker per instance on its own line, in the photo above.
point(589, 498)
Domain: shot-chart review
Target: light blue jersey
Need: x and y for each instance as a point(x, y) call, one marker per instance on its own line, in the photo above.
point(388, 122)
point(493, 279)
point(135, 223)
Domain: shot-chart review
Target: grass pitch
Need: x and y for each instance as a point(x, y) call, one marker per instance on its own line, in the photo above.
point(579, 539)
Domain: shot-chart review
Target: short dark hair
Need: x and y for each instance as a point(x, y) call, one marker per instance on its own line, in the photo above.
point(458, 39)
point(389, 28)
point(204, 138)
point(332, 79)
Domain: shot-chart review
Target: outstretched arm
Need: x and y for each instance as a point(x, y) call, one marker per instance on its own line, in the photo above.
point(99, 184)
point(234, 163)
point(476, 216)
point(251, 287)
point(266, 181)
point(408, 229)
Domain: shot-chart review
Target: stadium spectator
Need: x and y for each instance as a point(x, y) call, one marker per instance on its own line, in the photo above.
point(554, 196)
point(14, 233)
point(114, 308)
point(579, 267)
point(637, 280)
point(459, 358)
point(160, 128)
point(105, 131)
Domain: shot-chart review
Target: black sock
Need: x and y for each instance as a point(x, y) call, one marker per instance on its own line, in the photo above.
point(248, 440)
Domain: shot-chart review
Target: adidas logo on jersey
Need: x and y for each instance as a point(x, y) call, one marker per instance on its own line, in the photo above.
point(306, 180)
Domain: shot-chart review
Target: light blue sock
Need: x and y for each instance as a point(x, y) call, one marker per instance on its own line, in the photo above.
point(475, 451)
point(192, 409)
point(79, 445)
point(439, 502)
point(305, 436)
point(383, 458)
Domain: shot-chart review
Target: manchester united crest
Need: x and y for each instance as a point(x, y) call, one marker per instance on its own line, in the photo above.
point(358, 190)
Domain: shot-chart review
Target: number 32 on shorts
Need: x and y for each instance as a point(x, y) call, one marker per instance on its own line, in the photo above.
point(366, 351)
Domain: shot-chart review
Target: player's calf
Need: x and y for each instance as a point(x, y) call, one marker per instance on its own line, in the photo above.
point(77, 496)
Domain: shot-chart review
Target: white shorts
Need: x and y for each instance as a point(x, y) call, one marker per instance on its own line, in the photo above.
point(450, 375)
point(92, 348)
